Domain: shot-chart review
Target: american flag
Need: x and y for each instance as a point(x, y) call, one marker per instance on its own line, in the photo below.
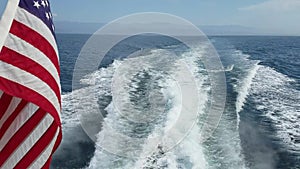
point(30, 98)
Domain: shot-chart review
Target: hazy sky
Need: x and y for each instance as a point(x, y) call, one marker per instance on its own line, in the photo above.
point(281, 16)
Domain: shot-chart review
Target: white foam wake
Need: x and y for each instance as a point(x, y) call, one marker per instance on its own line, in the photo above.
point(188, 154)
point(247, 71)
point(279, 102)
point(244, 88)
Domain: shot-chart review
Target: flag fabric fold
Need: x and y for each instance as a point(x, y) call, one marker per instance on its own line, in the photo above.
point(30, 92)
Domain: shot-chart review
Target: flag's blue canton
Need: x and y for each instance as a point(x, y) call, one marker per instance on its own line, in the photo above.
point(41, 9)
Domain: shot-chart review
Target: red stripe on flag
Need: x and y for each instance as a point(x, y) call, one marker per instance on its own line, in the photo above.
point(5, 102)
point(36, 40)
point(21, 135)
point(21, 91)
point(38, 148)
point(12, 117)
point(12, 57)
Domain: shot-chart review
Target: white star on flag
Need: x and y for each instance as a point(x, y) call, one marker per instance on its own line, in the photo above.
point(43, 3)
point(36, 4)
point(47, 15)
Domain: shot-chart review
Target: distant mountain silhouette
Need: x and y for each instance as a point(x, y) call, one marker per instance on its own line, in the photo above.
point(90, 28)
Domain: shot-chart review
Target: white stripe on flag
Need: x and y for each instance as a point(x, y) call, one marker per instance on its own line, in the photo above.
point(44, 156)
point(11, 108)
point(7, 19)
point(1, 92)
point(24, 48)
point(37, 25)
point(30, 81)
point(20, 120)
point(29, 142)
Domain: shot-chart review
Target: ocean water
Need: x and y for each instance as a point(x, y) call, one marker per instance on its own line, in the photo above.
point(259, 128)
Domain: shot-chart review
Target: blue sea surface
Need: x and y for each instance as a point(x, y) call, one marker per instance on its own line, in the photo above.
point(259, 128)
